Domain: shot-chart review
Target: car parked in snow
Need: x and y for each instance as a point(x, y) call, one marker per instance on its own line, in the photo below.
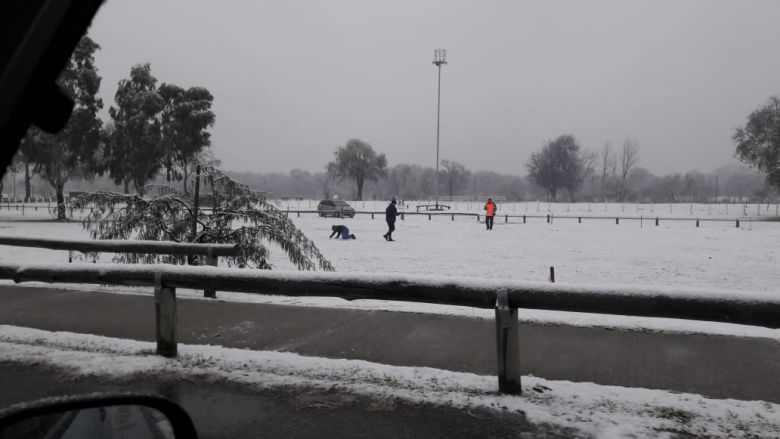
point(336, 208)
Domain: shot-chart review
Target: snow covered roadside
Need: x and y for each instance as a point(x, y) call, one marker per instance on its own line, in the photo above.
point(602, 411)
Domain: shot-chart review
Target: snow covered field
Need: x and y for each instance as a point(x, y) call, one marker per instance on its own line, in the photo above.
point(716, 255)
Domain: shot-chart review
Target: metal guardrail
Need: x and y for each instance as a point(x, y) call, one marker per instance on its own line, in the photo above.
point(759, 309)
point(211, 251)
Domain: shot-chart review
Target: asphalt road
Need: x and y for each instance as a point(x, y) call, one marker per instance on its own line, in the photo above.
point(712, 365)
point(224, 410)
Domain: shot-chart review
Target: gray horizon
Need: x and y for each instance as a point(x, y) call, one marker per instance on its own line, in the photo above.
point(293, 80)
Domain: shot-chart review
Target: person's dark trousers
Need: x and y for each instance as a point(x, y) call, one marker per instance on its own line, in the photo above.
point(489, 222)
point(390, 229)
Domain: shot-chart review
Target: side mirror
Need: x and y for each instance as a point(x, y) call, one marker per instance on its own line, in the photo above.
point(97, 416)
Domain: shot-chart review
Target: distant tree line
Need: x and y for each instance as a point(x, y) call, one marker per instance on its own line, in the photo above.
point(602, 180)
point(731, 183)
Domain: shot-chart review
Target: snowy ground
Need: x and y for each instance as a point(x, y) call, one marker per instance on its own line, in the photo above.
point(715, 255)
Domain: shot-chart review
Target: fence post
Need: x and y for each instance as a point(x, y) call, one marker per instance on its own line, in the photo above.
point(579, 219)
point(506, 219)
point(213, 261)
point(617, 220)
point(697, 222)
point(656, 221)
point(372, 215)
point(165, 313)
point(429, 217)
point(453, 217)
point(737, 223)
point(523, 219)
point(548, 218)
point(508, 347)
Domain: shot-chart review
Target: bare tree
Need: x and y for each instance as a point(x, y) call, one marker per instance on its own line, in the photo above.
point(629, 157)
point(607, 165)
point(324, 180)
point(454, 175)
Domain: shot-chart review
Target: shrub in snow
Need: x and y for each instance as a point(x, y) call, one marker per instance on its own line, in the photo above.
point(238, 215)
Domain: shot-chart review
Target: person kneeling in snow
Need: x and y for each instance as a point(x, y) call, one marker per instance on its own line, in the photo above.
point(342, 232)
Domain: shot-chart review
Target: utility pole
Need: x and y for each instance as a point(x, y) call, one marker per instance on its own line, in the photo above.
point(439, 58)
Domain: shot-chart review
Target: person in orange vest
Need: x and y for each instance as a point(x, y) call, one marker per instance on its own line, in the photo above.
point(490, 212)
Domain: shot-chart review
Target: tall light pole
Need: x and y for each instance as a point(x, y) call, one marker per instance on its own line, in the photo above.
point(439, 58)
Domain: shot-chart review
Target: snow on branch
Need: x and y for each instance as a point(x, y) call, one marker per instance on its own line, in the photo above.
point(237, 215)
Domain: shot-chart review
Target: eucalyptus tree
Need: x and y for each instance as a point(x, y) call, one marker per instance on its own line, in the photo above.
point(758, 142)
point(75, 151)
point(135, 151)
point(185, 117)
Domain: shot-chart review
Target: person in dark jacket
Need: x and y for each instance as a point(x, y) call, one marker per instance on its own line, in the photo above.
point(390, 213)
point(342, 232)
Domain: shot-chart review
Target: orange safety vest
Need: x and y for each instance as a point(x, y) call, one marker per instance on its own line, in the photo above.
point(491, 209)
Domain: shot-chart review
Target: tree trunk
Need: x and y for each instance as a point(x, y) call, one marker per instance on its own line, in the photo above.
point(186, 176)
point(27, 178)
point(359, 190)
point(60, 201)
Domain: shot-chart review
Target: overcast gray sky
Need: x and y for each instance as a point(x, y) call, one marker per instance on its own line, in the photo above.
point(293, 80)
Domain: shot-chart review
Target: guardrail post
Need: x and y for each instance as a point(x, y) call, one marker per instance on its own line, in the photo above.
point(697, 222)
point(372, 215)
point(579, 219)
point(453, 217)
point(617, 220)
point(506, 219)
point(165, 313)
point(523, 219)
point(737, 223)
point(429, 217)
point(548, 218)
point(213, 261)
point(507, 346)
point(656, 221)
